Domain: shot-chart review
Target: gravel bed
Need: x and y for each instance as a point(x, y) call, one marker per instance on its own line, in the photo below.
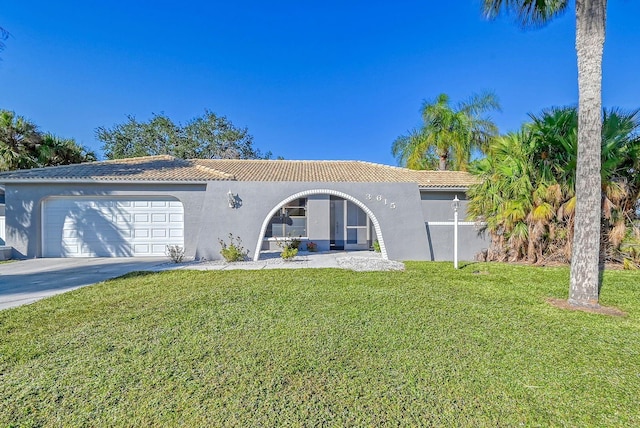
point(368, 262)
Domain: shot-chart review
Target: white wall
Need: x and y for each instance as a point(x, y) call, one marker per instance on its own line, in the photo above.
point(2, 230)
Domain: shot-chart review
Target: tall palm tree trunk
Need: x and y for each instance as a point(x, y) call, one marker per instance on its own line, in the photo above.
point(590, 32)
point(442, 162)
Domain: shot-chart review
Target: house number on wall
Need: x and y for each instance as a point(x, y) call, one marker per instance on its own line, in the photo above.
point(382, 199)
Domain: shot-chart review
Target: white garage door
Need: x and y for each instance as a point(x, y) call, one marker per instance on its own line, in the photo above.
point(111, 227)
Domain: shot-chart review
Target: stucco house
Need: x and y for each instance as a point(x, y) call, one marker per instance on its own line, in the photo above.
point(136, 207)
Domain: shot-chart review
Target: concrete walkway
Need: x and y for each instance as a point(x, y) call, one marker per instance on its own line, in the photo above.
point(26, 281)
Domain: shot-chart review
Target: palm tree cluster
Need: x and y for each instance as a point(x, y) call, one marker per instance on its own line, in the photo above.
point(449, 134)
point(527, 196)
point(23, 146)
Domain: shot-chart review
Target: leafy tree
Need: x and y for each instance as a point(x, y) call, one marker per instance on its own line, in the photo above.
point(23, 146)
point(448, 134)
point(584, 284)
point(527, 196)
point(207, 137)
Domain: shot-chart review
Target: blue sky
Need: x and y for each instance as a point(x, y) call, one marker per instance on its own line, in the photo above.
point(310, 80)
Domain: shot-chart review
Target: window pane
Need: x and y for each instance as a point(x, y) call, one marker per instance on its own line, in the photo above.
point(355, 215)
point(290, 221)
point(297, 227)
point(357, 235)
point(352, 236)
point(276, 226)
point(295, 211)
point(302, 202)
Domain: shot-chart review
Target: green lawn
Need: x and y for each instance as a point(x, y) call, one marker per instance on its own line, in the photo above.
point(428, 346)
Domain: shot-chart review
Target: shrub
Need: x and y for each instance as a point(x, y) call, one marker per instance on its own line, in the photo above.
point(376, 246)
point(233, 251)
point(288, 253)
point(312, 246)
point(294, 243)
point(175, 253)
point(289, 247)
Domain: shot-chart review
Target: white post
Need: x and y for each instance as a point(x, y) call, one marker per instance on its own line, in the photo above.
point(455, 204)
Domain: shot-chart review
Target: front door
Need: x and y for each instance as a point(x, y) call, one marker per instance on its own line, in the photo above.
point(336, 223)
point(350, 226)
point(356, 228)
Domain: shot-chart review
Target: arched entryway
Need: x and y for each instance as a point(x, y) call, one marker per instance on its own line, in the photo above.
point(371, 217)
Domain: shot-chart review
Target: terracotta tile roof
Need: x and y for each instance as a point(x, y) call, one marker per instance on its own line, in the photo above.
point(149, 168)
point(334, 171)
point(168, 168)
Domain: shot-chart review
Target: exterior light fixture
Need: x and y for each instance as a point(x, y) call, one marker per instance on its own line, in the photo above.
point(231, 198)
point(455, 205)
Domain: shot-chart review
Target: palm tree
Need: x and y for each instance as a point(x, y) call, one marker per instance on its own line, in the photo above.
point(527, 194)
point(56, 151)
point(19, 139)
point(584, 284)
point(22, 146)
point(448, 135)
point(504, 197)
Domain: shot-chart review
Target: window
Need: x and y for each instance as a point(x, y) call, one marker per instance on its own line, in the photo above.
point(290, 220)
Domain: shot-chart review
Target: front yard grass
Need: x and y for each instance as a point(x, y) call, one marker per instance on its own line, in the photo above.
point(428, 346)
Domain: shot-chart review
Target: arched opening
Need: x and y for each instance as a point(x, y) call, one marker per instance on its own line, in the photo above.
point(370, 216)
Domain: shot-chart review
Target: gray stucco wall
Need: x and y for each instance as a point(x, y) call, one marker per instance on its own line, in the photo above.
point(396, 206)
point(439, 223)
point(400, 209)
point(24, 209)
point(440, 239)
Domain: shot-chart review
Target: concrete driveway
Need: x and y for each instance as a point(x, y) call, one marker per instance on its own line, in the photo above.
point(25, 281)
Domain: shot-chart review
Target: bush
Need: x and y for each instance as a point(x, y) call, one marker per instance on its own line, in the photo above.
point(233, 251)
point(376, 246)
point(175, 253)
point(312, 247)
point(288, 253)
point(289, 247)
point(294, 243)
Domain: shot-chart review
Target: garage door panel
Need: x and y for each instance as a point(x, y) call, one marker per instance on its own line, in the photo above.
point(111, 226)
point(141, 218)
point(142, 249)
point(158, 218)
point(141, 233)
point(123, 218)
point(157, 247)
point(158, 233)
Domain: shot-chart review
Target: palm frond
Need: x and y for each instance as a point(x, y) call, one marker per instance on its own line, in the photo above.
point(528, 13)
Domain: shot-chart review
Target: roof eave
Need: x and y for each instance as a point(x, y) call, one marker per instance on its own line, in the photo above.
point(445, 188)
point(88, 181)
